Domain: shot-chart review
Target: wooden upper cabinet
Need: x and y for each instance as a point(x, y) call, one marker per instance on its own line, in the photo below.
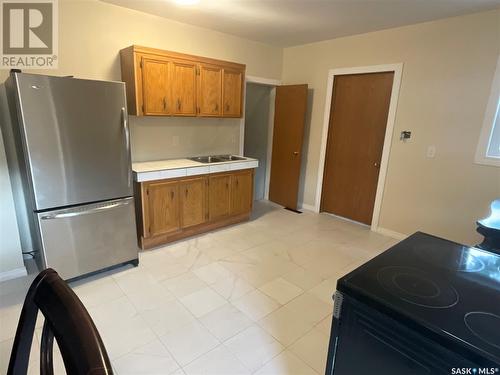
point(183, 88)
point(164, 83)
point(241, 192)
point(210, 90)
point(194, 200)
point(232, 92)
point(163, 208)
point(156, 86)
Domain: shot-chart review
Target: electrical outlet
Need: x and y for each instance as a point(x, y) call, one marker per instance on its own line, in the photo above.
point(175, 140)
point(431, 151)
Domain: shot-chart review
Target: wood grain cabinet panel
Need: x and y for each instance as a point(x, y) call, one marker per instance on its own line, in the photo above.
point(241, 192)
point(156, 86)
point(183, 88)
point(166, 83)
point(171, 209)
point(232, 92)
point(210, 91)
point(163, 207)
point(193, 205)
point(219, 196)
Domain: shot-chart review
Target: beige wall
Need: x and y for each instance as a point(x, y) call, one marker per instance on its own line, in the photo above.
point(448, 70)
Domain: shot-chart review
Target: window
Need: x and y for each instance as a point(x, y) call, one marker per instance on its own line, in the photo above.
point(488, 149)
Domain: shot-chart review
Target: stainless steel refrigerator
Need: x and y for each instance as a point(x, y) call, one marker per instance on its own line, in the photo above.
point(68, 149)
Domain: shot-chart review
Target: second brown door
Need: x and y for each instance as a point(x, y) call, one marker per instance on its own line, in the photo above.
point(289, 117)
point(358, 119)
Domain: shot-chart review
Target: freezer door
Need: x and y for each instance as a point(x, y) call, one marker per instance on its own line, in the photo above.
point(83, 239)
point(76, 139)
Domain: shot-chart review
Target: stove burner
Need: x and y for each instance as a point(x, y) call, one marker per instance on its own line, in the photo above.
point(466, 262)
point(484, 325)
point(417, 287)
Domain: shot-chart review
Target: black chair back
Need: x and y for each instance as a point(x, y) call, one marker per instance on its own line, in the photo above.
point(67, 320)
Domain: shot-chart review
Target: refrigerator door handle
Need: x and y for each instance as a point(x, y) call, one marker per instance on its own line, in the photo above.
point(126, 130)
point(92, 210)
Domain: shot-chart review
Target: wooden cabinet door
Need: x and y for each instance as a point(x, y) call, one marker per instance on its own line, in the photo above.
point(210, 90)
point(241, 192)
point(232, 81)
point(163, 207)
point(219, 196)
point(155, 86)
point(193, 206)
point(183, 88)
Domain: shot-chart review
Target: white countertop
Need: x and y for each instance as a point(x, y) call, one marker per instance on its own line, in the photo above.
point(173, 168)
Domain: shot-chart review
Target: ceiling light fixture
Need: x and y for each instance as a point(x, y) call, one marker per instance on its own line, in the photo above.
point(187, 2)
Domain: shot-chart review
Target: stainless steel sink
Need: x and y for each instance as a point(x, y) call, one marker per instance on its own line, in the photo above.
point(207, 159)
point(216, 158)
point(230, 157)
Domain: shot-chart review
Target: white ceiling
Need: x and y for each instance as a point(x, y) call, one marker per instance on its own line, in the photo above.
point(293, 22)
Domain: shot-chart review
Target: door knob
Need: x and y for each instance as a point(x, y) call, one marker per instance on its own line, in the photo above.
point(295, 153)
point(376, 165)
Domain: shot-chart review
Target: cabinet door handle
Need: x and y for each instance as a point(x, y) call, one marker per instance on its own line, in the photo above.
point(186, 193)
point(178, 104)
point(172, 195)
point(227, 107)
point(164, 103)
point(217, 108)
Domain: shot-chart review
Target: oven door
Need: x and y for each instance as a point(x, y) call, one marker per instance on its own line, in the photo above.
point(84, 239)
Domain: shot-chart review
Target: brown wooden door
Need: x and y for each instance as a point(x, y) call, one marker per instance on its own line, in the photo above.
point(219, 196)
point(155, 86)
point(163, 207)
point(210, 90)
point(289, 117)
point(193, 205)
point(232, 81)
point(183, 88)
point(358, 119)
point(241, 192)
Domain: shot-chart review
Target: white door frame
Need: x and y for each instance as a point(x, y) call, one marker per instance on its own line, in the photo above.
point(265, 82)
point(398, 70)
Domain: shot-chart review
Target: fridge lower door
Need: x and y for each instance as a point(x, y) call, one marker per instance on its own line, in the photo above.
point(88, 238)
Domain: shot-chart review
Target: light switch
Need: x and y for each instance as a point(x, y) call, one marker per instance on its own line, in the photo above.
point(431, 151)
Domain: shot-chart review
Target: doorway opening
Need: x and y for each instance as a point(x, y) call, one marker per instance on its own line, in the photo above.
point(258, 132)
point(357, 133)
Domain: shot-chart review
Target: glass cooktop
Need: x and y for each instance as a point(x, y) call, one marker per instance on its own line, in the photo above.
point(451, 289)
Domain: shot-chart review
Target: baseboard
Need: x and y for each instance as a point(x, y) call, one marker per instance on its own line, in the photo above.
point(13, 274)
point(391, 233)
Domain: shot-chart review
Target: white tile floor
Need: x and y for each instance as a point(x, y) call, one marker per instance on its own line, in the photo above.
point(252, 298)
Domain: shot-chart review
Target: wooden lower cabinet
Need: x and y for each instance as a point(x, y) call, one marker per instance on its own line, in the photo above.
point(194, 200)
point(219, 196)
point(241, 193)
point(172, 209)
point(163, 208)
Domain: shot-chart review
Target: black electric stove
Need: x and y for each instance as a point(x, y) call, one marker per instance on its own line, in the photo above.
point(443, 291)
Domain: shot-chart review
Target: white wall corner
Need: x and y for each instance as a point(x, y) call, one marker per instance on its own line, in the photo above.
point(307, 207)
point(13, 274)
point(391, 233)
